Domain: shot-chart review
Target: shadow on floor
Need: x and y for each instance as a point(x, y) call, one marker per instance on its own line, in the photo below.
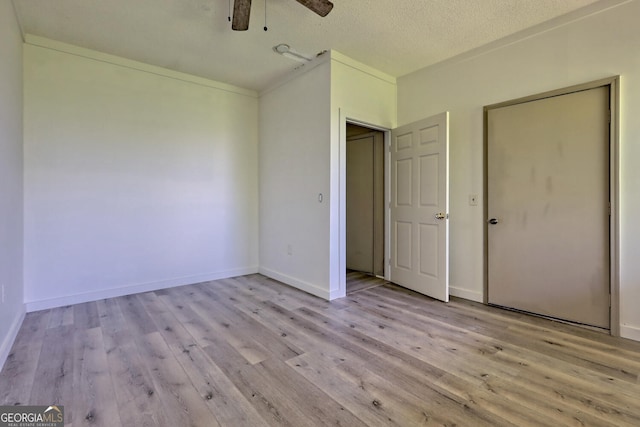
point(358, 281)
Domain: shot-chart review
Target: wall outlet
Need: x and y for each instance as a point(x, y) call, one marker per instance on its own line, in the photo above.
point(473, 200)
point(289, 249)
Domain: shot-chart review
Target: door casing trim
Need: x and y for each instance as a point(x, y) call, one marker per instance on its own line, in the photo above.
point(614, 185)
point(361, 119)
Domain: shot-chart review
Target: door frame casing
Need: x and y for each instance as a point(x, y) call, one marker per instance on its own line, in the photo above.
point(614, 184)
point(360, 119)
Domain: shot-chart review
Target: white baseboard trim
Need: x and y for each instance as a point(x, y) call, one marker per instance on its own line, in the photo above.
point(337, 293)
point(296, 283)
point(7, 342)
point(134, 289)
point(465, 293)
point(630, 332)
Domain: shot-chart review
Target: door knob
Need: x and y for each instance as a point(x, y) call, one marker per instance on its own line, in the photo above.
point(441, 216)
point(493, 221)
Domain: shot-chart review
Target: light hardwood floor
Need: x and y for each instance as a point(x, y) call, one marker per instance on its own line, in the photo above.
point(250, 351)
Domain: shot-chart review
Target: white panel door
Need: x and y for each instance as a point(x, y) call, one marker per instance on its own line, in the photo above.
point(548, 206)
point(420, 206)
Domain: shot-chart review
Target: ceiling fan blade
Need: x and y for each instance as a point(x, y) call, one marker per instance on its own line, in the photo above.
point(241, 12)
point(321, 7)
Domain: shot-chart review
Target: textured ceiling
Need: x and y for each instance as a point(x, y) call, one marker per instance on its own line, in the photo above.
point(195, 37)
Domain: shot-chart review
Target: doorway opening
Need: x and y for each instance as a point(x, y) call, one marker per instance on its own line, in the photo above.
point(365, 206)
point(415, 205)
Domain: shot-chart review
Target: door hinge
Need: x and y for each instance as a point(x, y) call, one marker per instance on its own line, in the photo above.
point(609, 116)
point(609, 209)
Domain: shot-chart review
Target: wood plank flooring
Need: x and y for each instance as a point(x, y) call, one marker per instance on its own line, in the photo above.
point(357, 281)
point(250, 351)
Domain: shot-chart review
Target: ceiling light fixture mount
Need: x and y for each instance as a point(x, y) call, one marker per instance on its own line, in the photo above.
point(282, 48)
point(286, 51)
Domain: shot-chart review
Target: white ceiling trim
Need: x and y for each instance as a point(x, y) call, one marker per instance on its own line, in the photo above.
point(134, 65)
point(344, 59)
point(553, 24)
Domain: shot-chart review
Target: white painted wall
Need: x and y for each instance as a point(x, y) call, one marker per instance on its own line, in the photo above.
point(294, 169)
point(363, 94)
point(302, 150)
point(11, 283)
point(136, 177)
point(587, 49)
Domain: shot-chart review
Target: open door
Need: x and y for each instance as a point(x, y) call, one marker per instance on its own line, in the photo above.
point(419, 213)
